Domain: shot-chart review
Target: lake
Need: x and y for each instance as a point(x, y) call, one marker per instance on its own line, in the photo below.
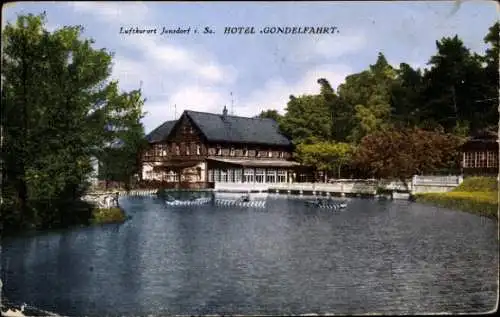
point(373, 256)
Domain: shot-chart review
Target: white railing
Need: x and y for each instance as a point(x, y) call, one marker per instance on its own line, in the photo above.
point(454, 180)
point(417, 183)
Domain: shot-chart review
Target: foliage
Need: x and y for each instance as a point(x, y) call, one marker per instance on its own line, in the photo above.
point(108, 215)
point(326, 156)
point(478, 184)
point(59, 110)
point(271, 114)
point(482, 203)
point(120, 162)
point(369, 94)
point(402, 153)
point(306, 117)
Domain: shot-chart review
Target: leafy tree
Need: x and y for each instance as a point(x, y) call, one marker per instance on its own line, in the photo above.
point(57, 102)
point(369, 94)
point(325, 156)
point(341, 113)
point(307, 117)
point(120, 162)
point(406, 101)
point(271, 114)
point(402, 153)
point(453, 85)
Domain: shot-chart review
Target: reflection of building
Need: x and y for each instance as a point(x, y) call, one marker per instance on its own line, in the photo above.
point(201, 148)
point(480, 154)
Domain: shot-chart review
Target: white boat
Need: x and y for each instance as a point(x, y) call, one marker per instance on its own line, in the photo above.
point(197, 201)
point(326, 204)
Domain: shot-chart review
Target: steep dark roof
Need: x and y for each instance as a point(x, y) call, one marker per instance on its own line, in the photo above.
point(161, 132)
point(218, 128)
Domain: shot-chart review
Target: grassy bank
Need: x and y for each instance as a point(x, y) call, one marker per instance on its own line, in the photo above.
point(108, 215)
point(477, 195)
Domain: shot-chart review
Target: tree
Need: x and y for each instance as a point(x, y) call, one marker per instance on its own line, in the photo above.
point(119, 161)
point(402, 153)
point(271, 114)
point(406, 100)
point(57, 102)
point(369, 94)
point(341, 113)
point(307, 117)
point(325, 156)
point(453, 85)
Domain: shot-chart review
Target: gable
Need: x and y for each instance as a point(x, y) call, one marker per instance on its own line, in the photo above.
point(185, 130)
point(161, 132)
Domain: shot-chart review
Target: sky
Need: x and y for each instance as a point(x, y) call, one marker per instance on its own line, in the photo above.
point(249, 73)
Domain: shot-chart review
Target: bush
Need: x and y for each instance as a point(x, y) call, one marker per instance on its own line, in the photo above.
point(478, 184)
point(108, 215)
point(482, 203)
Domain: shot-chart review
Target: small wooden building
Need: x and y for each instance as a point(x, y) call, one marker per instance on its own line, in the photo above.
point(200, 149)
point(480, 155)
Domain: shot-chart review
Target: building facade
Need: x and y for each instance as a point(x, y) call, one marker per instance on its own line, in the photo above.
point(200, 149)
point(480, 155)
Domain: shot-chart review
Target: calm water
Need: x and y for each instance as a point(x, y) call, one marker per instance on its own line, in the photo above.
point(375, 256)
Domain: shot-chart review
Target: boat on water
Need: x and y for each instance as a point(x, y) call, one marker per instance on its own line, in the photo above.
point(171, 201)
point(326, 203)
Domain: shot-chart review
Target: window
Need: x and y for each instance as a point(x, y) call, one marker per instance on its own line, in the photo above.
point(492, 158)
point(188, 150)
point(248, 175)
point(231, 153)
point(230, 175)
point(481, 159)
point(270, 154)
point(281, 176)
point(238, 175)
point(223, 176)
point(198, 150)
point(191, 130)
point(177, 149)
point(245, 152)
point(219, 150)
point(211, 151)
point(172, 176)
point(210, 175)
point(157, 149)
point(259, 175)
point(281, 154)
point(468, 159)
point(257, 153)
point(271, 176)
point(217, 175)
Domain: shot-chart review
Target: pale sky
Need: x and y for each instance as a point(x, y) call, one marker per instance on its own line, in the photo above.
point(198, 72)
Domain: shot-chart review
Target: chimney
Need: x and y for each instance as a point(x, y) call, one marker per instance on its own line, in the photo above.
point(224, 112)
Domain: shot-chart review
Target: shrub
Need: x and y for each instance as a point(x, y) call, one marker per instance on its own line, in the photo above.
point(108, 215)
point(478, 184)
point(482, 203)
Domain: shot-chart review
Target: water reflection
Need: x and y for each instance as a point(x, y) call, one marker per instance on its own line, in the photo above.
point(373, 257)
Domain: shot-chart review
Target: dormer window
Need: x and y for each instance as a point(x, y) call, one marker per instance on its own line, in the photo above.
point(188, 152)
point(231, 153)
point(270, 154)
point(219, 150)
point(177, 150)
point(257, 153)
point(245, 152)
point(198, 150)
point(281, 154)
